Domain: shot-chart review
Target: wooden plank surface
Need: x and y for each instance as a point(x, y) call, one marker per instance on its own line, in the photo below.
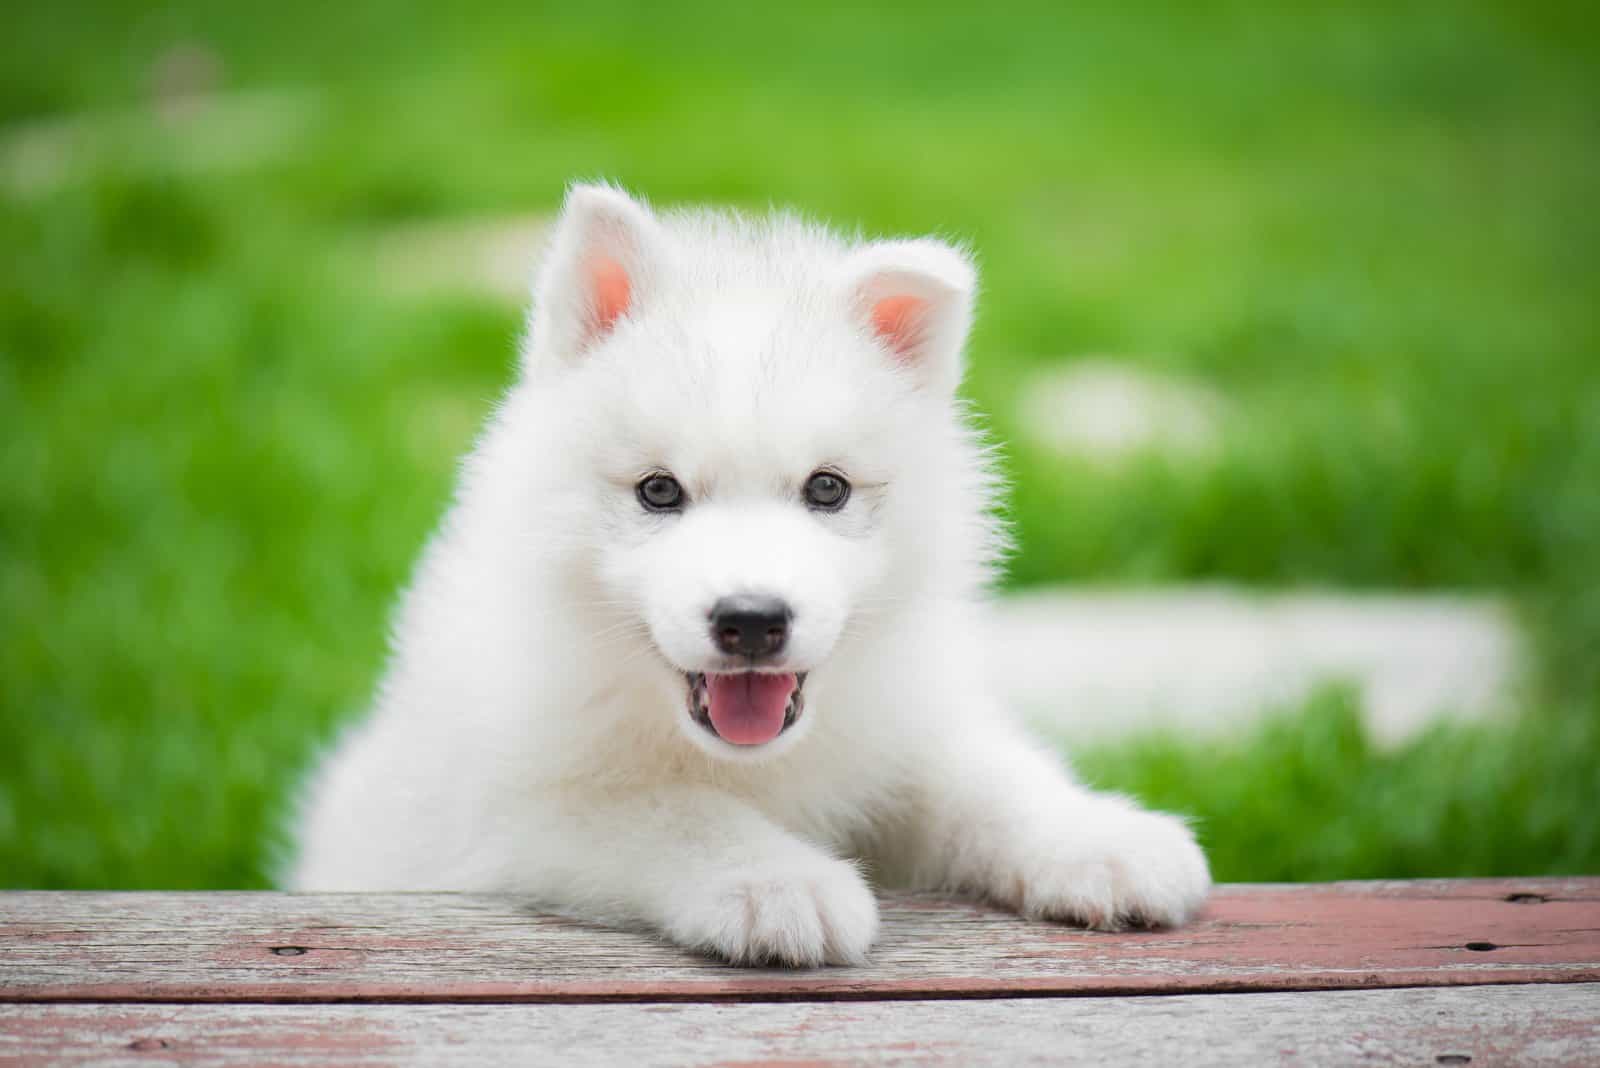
point(1480, 1026)
point(417, 947)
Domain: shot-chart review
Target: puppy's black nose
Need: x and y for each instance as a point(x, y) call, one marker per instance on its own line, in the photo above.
point(750, 624)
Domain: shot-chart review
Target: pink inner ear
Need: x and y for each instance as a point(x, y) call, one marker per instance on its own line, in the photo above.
point(611, 291)
point(898, 321)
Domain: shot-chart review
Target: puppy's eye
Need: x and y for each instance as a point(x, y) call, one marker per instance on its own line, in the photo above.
point(660, 493)
point(827, 491)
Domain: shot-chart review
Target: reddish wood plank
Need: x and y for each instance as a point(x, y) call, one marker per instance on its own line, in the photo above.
point(281, 947)
point(1480, 1026)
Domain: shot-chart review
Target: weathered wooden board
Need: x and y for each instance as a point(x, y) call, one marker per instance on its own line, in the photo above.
point(279, 947)
point(1493, 1025)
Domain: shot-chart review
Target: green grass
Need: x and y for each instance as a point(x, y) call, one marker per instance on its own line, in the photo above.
point(1370, 229)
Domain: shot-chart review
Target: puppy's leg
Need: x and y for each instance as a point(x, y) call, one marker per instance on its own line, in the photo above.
point(704, 868)
point(998, 817)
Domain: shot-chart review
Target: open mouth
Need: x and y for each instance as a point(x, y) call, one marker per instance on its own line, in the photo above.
point(746, 707)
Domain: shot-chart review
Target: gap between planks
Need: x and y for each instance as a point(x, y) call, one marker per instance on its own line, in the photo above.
point(793, 997)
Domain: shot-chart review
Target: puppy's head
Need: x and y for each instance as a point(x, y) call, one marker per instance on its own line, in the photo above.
point(765, 442)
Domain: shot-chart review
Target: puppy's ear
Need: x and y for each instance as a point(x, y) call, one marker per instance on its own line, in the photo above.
point(598, 267)
point(915, 299)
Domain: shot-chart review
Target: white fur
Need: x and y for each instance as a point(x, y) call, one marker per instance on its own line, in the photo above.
point(532, 733)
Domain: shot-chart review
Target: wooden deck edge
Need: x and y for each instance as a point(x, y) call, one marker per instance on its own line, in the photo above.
point(1495, 1024)
point(154, 948)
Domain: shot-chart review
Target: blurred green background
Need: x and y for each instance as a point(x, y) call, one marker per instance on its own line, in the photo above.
point(235, 376)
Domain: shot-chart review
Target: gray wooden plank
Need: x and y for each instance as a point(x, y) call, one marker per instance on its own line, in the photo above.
point(1491, 1025)
point(435, 947)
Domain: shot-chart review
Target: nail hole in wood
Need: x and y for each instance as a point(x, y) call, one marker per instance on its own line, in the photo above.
point(1453, 1058)
point(1526, 899)
point(145, 1045)
point(289, 951)
point(1481, 947)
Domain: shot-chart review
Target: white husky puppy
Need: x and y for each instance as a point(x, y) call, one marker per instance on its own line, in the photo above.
point(697, 646)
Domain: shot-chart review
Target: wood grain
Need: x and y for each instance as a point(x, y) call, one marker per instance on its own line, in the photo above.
point(265, 947)
point(1493, 1025)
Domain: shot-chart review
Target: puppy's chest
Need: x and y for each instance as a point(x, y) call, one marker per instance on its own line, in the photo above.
point(836, 805)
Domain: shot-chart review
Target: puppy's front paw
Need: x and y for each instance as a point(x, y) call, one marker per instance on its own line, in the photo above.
point(1120, 867)
point(818, 911)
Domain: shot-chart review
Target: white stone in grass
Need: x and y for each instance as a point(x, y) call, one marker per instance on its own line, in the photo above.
point(200, 134)
point(1091, 665)
point(1107, 409)
point(491, 256)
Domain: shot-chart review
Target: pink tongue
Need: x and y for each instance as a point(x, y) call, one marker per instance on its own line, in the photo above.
point(748, 708)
